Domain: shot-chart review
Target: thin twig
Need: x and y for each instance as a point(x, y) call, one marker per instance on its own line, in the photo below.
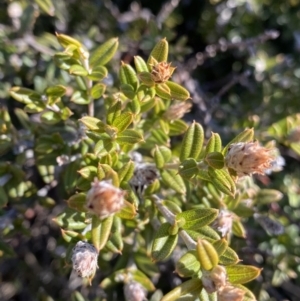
point(223, 45)
point(166, 10)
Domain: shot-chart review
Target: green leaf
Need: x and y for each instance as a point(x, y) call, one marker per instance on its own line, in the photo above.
point(203, 175)
point(188, 265)
point(64, 61)
point(126, 172)
point(163, 243)
point(187, 287)
point(189, 168)
point(215, 160)
point(177, 92)
point(207, 254)
point(115, 243)
point(192, 142)
point(129, 137)
point(78, 70)
point(141, 278)
point(128, 91)
point(163, 91)
point(50, 117)
point(146, 78)
point(78, 202)
point(88, 172)
point(66, 41)
point(98, 90)
point(24, 95)
point(140, 64)
point(239, 274)
point(101, 231)
point(162, 155)
point(214, 144)
point(128, 76)
point(46, 6)
point(222, 181)
point(56, 91)
point(246, 136)
point(144, 263)
point(177, 127)
point(93, 123)
point(173, 180)
point(229, 257)
point(204, 296)
point(71, 219)
point(238, 229)
point(128, 211)
point(220, 246)
point(98, 73)
point(113, 112)
point(267, 196)
point(104, 146)
point(123, 121)
point(160, 51)
point(197, 218)
point(104, 53)
point(80, 97)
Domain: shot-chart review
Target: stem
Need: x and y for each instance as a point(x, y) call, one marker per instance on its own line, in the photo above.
point(190, 243)
point(170, 217)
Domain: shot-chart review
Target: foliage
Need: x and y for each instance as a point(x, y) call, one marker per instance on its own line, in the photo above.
point(86, 108)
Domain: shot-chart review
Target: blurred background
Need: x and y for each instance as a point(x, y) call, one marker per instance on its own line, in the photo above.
point(240, 61)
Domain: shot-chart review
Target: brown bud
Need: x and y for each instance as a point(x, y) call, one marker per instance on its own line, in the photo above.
point(103, 199)
point(161, 72)
point(177, 111)
point(230, 293)
point(84, 258)
point(248, 158)
point(215, 279)
point(134, 291)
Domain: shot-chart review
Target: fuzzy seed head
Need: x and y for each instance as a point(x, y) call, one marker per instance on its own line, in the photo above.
point(84, 258)
point(161, 72)
point(103, 199)
point(144, 174)
point(215, 279)
point(230, 293)
point(248, 158)
point(134, 291)
point(223, 222)
point(177, 111)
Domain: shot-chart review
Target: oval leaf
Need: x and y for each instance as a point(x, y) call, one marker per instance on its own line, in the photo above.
point(163, 243)
point(192, 142)
point(207, 255)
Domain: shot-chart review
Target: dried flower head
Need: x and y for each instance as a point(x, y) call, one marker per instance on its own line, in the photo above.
point(223, 222)
point(177, 111)
point(247, 158)
point(84, 258)
point(161, 72)
point(144, 174)
point(134, 291)
point(230, 293)
point(103, 199)
point(215, 279)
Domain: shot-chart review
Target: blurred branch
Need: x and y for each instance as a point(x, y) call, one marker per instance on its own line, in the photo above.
point(223, 45)
point(165, 11)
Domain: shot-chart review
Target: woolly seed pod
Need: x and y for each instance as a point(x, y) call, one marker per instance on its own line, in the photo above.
point(134, 291)
point(103, 199)
point(84, 259)
point(230, 293)
point(215, 279)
